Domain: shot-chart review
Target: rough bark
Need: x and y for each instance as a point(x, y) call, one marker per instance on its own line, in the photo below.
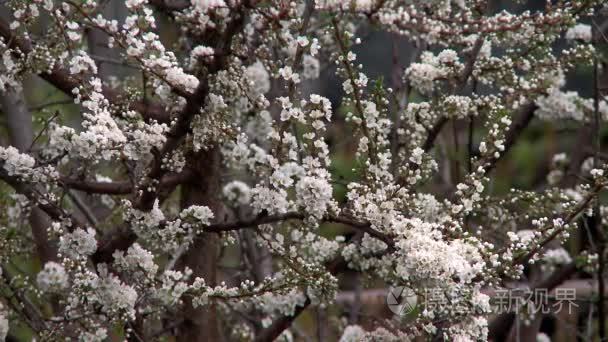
point(202, 324)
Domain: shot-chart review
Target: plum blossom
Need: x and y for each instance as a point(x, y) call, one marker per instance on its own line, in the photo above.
point(580, 32)
point(237, 192)
point(53, 277)
point(198, 181)
point(78, 244)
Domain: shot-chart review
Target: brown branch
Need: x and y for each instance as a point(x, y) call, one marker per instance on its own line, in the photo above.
point(54, 212)
point(595, 222)
point(433, 133)
point(469, 66)
point(119, 239)
point(252, 223)
point(61, 79)
point(463, 79)
point(277, 328)
point(579, 208)
point(526, 113)
point(124, 237)
point(21, 136)
point(111, 188)
point(364, 227)
point(169, 6)
point(121, 187)
point(334, 267)
point(26, 307)
point(194, 104)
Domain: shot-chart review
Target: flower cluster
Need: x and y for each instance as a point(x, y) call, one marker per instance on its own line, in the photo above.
point(78, 244)
point(52, 277)
point(168, 235)
point(432, 68)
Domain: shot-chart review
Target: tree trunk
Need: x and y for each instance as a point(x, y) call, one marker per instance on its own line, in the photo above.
point(201, 324)
point(21, 134)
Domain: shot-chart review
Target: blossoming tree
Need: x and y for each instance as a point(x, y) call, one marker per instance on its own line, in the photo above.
point(189, 189)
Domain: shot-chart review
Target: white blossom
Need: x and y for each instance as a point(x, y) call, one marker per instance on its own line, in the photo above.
point(211, 144)
point(273, 201)
point(201, 213)
point(315, 195)
point(579, 32)
point(78, 244)
point(206, 5)
point(560, 105)
point(289, 75)
point(311, 67)
point(52, 277)
point(542, 337)
point(15, 163)
point(258, 78)
point(353, 333)
point(237, 192)
point(136, 262)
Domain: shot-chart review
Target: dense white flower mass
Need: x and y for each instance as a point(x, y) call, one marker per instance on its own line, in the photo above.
point(82, 63)
point(423, 75)
point(216, 169)
point(353, 333)
point(315, 195)
point(361, 5)
point(561, 105)
point(580, 32)
point(311, 66)
point(554, 258)
point(97, 336)
point(136, 262)
point(143, 138)
point(270, 200)
point(78, 244)
point(258, 78)
point(428, 258)
point(113, 295)
point(15, 163)
point(168, 235)
point(206, 5)
point(201, 214)
point(53, 277)
point(237, 192)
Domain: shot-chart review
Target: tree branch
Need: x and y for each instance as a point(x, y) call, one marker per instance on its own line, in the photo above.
point(526, 113)
point(121, 187)
point(21, 136)
point(54, 212)
point(168, 6)
point(276, 329)
point(61, 79)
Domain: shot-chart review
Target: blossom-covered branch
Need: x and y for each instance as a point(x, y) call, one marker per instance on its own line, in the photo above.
point(223, 167)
